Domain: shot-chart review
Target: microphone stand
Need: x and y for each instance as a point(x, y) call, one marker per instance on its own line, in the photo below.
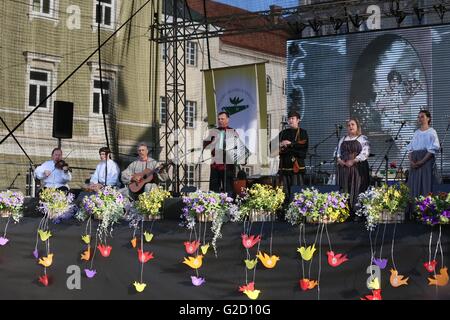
point(14, 180)
point(386, 154)
point(338, 136)
point(336, 131)
point(442, 151)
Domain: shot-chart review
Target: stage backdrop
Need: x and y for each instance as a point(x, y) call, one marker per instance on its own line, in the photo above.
point(384, 78)
point(241, 91)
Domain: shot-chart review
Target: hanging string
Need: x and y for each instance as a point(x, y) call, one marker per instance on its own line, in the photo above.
point(6, 227)
point(429, 244)
point(312, 258)
point(320, 262)
point(142, 251)
point(271, 237)
point(301, 226)
point(328, 237)
point(382, 239)
point(392, 246)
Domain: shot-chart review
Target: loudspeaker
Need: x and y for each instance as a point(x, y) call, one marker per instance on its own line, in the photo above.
point(173, 208)
point(62, 119)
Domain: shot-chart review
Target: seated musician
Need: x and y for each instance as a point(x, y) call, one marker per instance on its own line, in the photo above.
point(54, 173)
point(132, 173)
point(106, 168)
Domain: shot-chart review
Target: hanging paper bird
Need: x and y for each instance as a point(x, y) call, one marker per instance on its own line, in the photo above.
point(335, 260)
point(36, 253)
point(249, 242)
point(204, 248)
point(249, 287)
point(306, 284)
point(133, 242)
point(139, 286)
point(376, 295)
point(397, 280)
point(430, 265)
point(197, 281)
point(86, 255)
point(3, 241)
point(105, 251)
point(380, 262)
point(46, 261)
point(191, 247)
point(44, 235)
point(250, 264)
point(148, 236)
point(90, 273)
point(86, 238)
point(44, 280)
point(252, 294)
point(144, 256)
point(440, 279)
point(268, 261)
point(194, 263)
point(374, 284)
point(307, 253)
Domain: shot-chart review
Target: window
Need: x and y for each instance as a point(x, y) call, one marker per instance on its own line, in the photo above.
point(104, 13)
point(47, 9)
point(284, 86)
point(268, 85)
point(269, 126)
point(190, 174)
point(191, 107)
point(162, 110)
point(39, 87)
point(191, 53)
point(97, 103)
point(41, 79)
point(165, 51)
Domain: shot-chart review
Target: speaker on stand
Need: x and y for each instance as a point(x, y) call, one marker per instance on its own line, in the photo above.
point(62, 120)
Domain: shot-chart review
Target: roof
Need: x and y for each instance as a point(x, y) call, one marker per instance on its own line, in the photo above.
point(269, 42)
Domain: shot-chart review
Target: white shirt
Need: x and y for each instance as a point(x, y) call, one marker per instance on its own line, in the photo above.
point(425, 140)
point(365, 152)
point(112, 171)
point(57, 178)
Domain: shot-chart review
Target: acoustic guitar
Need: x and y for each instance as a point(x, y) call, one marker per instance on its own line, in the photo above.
point(138, 180)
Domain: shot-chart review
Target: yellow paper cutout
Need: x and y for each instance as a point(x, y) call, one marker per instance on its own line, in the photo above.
point(374, 284)
point(133, 242)
point(268, 261)
point(250, 264)
point(307, 253)
point(204, 248)
point(139, 286)
point(252, 294)
point(148, 236)
point(46, 261)
point(44, 235)
point(86, 255)
point(86, 238)
point(194, 263)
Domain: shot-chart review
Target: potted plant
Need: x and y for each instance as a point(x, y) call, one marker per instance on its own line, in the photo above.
point(434, 209)
point(11, 204)
point(106, 205)
point(56, 204)
point(303, 205)
point(260, 203)
point(384, 204)
point(149, 203)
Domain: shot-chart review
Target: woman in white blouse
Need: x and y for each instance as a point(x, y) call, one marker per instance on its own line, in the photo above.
point(422, 148)
point(353, 168)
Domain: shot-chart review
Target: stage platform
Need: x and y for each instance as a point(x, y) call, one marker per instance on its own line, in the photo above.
point(168, 278)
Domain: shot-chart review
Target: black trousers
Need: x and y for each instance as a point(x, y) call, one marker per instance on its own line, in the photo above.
point(218, 182)
point(290, 180)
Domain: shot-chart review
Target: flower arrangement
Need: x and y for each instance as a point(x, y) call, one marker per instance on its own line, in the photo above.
point(11, 203)
point(106, 204)
point(149, 203)
point(56, 204)
point(318, 207)
point(259, 197)
point(380, 203)
point(434, 209)
point(212, 205)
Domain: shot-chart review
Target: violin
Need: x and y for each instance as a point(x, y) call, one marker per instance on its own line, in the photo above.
point(62, 165)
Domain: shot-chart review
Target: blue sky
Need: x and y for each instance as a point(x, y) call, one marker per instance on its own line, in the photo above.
point(258, 5)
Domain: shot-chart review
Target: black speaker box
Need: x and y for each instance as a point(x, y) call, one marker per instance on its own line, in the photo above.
point(172, 208)
point(62, 119)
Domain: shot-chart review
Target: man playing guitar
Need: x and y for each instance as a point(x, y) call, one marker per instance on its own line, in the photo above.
point(132, 176)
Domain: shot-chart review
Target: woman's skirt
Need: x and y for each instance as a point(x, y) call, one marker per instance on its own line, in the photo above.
point(420, 180)
point(353, 180)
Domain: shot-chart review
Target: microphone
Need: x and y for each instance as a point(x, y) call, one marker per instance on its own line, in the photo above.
point(338, 127)
point(403, 122)
point(390, 139)
point(322, 162)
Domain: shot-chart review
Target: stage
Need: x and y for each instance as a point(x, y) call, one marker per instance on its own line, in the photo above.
point(168, 278)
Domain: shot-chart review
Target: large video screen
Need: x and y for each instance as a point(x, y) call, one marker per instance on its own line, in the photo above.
point(383, 78)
